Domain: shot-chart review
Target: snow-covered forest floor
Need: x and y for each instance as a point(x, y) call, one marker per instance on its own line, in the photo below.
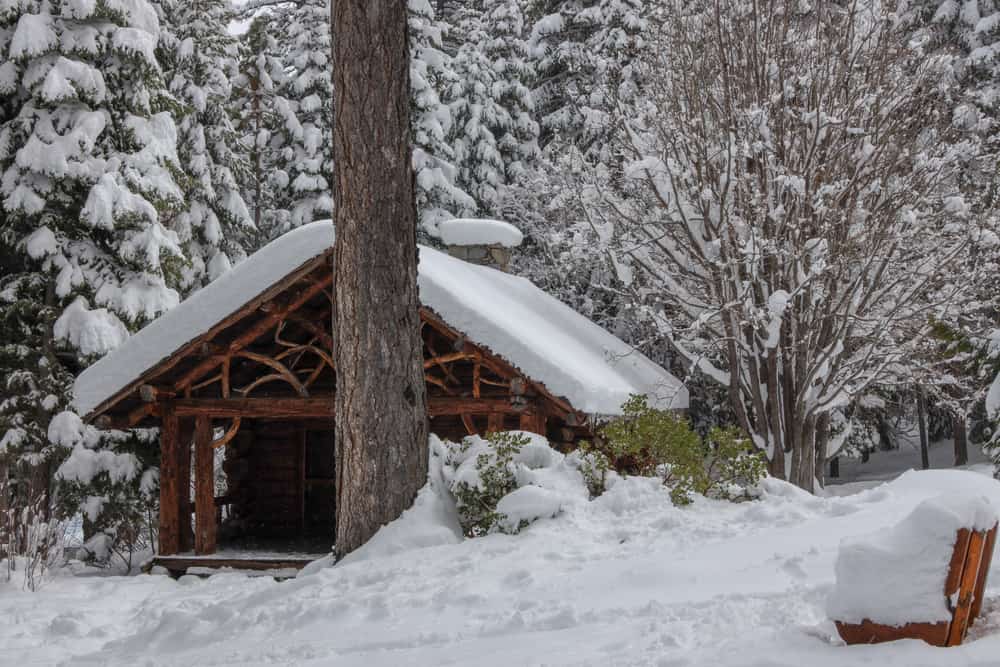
point(886, 465)
point(626, 579)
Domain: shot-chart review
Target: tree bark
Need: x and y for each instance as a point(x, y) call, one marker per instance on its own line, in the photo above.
point(822, 444)
point(922, 423)
point(381, 424)
point(6, 525)
point(960, 434)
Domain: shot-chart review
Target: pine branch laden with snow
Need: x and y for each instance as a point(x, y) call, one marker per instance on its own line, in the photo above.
point(89, 160)
point(438, 195)
point(305, 104)
point(89, 164)
point(584, 54)
point(801, 212)
point(200, 59)
point(494, 137)
point(260, 108)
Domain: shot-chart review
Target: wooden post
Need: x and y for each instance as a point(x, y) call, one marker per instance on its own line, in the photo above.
point(186, 431)
point(300, 482)
point(533, 422)
point(169, 484)
point(494, 422)
point(204, 479)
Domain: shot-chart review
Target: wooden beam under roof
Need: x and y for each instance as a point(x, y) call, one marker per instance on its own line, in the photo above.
point(323, 407)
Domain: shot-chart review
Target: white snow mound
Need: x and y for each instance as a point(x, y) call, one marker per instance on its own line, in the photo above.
point(897, 576)
point(430, 522)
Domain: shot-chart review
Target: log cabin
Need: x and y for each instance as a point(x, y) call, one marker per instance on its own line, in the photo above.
point(240, 381)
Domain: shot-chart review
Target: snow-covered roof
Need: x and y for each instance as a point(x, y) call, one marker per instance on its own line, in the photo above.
point(475, 231)
point(548, 341)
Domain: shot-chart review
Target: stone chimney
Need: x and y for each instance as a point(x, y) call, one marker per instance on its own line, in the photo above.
point(481, 241)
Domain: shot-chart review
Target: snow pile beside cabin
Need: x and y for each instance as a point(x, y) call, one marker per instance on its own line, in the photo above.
point(897, 576)
point(473, 231)
point(548, 341)
point(547, 480)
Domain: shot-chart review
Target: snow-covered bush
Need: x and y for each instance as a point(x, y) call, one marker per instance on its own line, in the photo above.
point(500, 482)
point(484, 474)
point(650, 442)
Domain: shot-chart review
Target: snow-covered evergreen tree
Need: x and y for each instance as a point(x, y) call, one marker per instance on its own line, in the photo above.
point(200, 59)
point(494, 136)
point(256, 102)
point(308, 152)
point(585, 53)
point(87, 184)
point(431, 73)
point(305, 108)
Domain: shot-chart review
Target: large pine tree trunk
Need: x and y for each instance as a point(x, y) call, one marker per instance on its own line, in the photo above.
point(381, 433)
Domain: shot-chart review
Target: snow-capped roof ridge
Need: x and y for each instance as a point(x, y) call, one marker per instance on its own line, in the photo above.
point(545, 339)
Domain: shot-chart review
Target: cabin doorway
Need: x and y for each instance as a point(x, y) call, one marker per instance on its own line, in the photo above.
point(280, 493)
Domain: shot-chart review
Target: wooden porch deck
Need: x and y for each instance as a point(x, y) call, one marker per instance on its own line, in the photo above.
point(275, 564)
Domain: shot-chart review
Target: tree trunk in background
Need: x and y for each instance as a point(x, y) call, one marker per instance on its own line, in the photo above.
point(961, 435)
point(5, 519)
point(922, 423)
point(381, 430)
point(822, 444)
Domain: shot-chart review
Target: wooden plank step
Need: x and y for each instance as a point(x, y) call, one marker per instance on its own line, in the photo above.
point(177, 566)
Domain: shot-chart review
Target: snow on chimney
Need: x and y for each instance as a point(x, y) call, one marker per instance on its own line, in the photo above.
point(481, 241)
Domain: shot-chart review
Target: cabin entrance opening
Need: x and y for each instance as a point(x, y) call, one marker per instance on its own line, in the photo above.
point(279, 488)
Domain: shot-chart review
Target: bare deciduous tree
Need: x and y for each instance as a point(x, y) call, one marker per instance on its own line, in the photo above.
point(797, 209)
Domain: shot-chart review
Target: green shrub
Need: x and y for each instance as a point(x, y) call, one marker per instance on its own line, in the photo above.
point(649, 442)
point(476, 498)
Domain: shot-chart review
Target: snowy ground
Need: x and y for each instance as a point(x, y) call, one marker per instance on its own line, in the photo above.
point(623, 580)
point(886, 465)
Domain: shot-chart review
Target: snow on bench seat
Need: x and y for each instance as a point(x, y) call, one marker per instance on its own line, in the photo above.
point(918, 577)
point(548, 341)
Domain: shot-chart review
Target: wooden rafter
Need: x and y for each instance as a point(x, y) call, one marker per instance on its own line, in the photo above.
point(470, 426)
point(231, 432)
point(311, 327)
point(254, 332)
point(499, 366)
point(279, 368)
point(444, 367)
point(438, 382)
point(448, 358)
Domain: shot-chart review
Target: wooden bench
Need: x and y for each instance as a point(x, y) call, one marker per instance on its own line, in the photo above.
point(963, 591)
